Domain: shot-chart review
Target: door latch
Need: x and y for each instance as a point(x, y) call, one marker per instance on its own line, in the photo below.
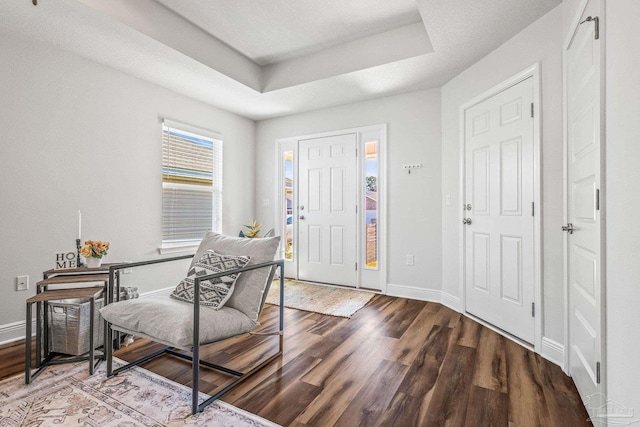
point(568, 228)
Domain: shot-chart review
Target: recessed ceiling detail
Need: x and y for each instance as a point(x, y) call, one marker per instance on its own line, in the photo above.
point(278, 57)
point(217, 33)
point(280, 30)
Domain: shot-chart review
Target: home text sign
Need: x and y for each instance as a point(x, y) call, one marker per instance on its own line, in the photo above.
point(66, 260)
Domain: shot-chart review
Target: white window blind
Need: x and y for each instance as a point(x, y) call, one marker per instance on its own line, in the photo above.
point(191, 184)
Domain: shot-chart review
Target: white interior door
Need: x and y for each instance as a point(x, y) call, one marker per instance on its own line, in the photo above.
point(499, 187)
point(327, 210)
point(584, 262)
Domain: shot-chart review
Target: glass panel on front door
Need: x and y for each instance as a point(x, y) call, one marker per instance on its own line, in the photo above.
point(371, 202)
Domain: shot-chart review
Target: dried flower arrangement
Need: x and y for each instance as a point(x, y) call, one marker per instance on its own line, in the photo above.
point(94, 248)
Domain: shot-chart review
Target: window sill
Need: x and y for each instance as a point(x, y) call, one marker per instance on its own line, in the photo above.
point(179, 247)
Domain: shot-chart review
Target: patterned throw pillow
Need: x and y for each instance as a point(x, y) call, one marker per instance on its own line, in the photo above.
point(214, 293)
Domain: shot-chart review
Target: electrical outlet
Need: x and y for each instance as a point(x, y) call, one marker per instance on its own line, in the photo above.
point(410, 259)
point(22, 283)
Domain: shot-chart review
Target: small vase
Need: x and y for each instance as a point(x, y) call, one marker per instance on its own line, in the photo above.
point(93, 262)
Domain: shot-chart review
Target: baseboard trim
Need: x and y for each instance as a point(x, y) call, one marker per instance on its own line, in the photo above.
point(11, 332)
point(431, 295)
point(553, 351)
point(451, 301)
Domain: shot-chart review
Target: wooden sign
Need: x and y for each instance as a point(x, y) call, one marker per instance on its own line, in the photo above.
point(66, 260)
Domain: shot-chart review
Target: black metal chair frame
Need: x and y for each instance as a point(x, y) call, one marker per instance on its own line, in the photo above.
point(195, 358)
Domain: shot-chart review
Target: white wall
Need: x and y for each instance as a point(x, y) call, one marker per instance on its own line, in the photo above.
point(78, 135)
point(540, 42)
point(414, 200)
point(622, 38)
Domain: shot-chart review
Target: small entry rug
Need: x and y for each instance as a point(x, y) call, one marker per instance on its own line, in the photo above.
point(319, 298)
point(65, 395)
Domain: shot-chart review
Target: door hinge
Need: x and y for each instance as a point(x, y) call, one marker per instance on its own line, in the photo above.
point(598, 373)
point(356, 152)
point(533, 309)
point(356, 266)
point(597, 199)
point(533, 208)
point(532, 109)
point(596, 28)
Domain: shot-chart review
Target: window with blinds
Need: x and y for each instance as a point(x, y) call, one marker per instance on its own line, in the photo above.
point(191, 184)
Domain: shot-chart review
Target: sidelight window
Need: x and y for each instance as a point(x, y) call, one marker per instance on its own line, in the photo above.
point(371, 202)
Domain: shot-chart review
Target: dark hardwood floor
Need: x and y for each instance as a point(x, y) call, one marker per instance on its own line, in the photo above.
point(397, 362)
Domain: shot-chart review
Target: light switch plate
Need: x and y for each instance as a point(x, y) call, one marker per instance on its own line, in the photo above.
point(22, 283)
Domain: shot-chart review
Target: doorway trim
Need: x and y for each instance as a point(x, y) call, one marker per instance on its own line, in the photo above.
point(292, 144)
point(531, 72)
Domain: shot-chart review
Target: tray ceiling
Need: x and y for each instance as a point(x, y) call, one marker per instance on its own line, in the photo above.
point(277, 57)
point(277, 30)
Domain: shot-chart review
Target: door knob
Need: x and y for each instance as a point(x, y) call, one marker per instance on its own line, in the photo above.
point(568, 228)
point(466, 221)
point(301, 217)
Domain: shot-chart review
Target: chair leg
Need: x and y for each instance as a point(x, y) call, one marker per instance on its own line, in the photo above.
point(195, 386)
point(108, 347)
point(195, 364)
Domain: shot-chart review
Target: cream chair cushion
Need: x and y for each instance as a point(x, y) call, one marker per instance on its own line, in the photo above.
point(170, 321)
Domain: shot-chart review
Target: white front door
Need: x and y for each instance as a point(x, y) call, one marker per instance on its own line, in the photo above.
point(327, 210)
point(584, 262)
point(499, 191)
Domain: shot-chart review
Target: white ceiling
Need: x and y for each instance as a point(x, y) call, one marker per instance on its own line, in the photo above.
point(277, 57)
point(276, 30)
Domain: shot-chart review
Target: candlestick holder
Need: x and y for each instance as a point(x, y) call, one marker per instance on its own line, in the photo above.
point(78, 246)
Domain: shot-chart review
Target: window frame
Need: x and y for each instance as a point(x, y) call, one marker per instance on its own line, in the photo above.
point(216, 188)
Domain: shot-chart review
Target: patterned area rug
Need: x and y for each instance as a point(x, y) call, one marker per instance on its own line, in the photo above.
point(321, 299)
point(65, 395)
